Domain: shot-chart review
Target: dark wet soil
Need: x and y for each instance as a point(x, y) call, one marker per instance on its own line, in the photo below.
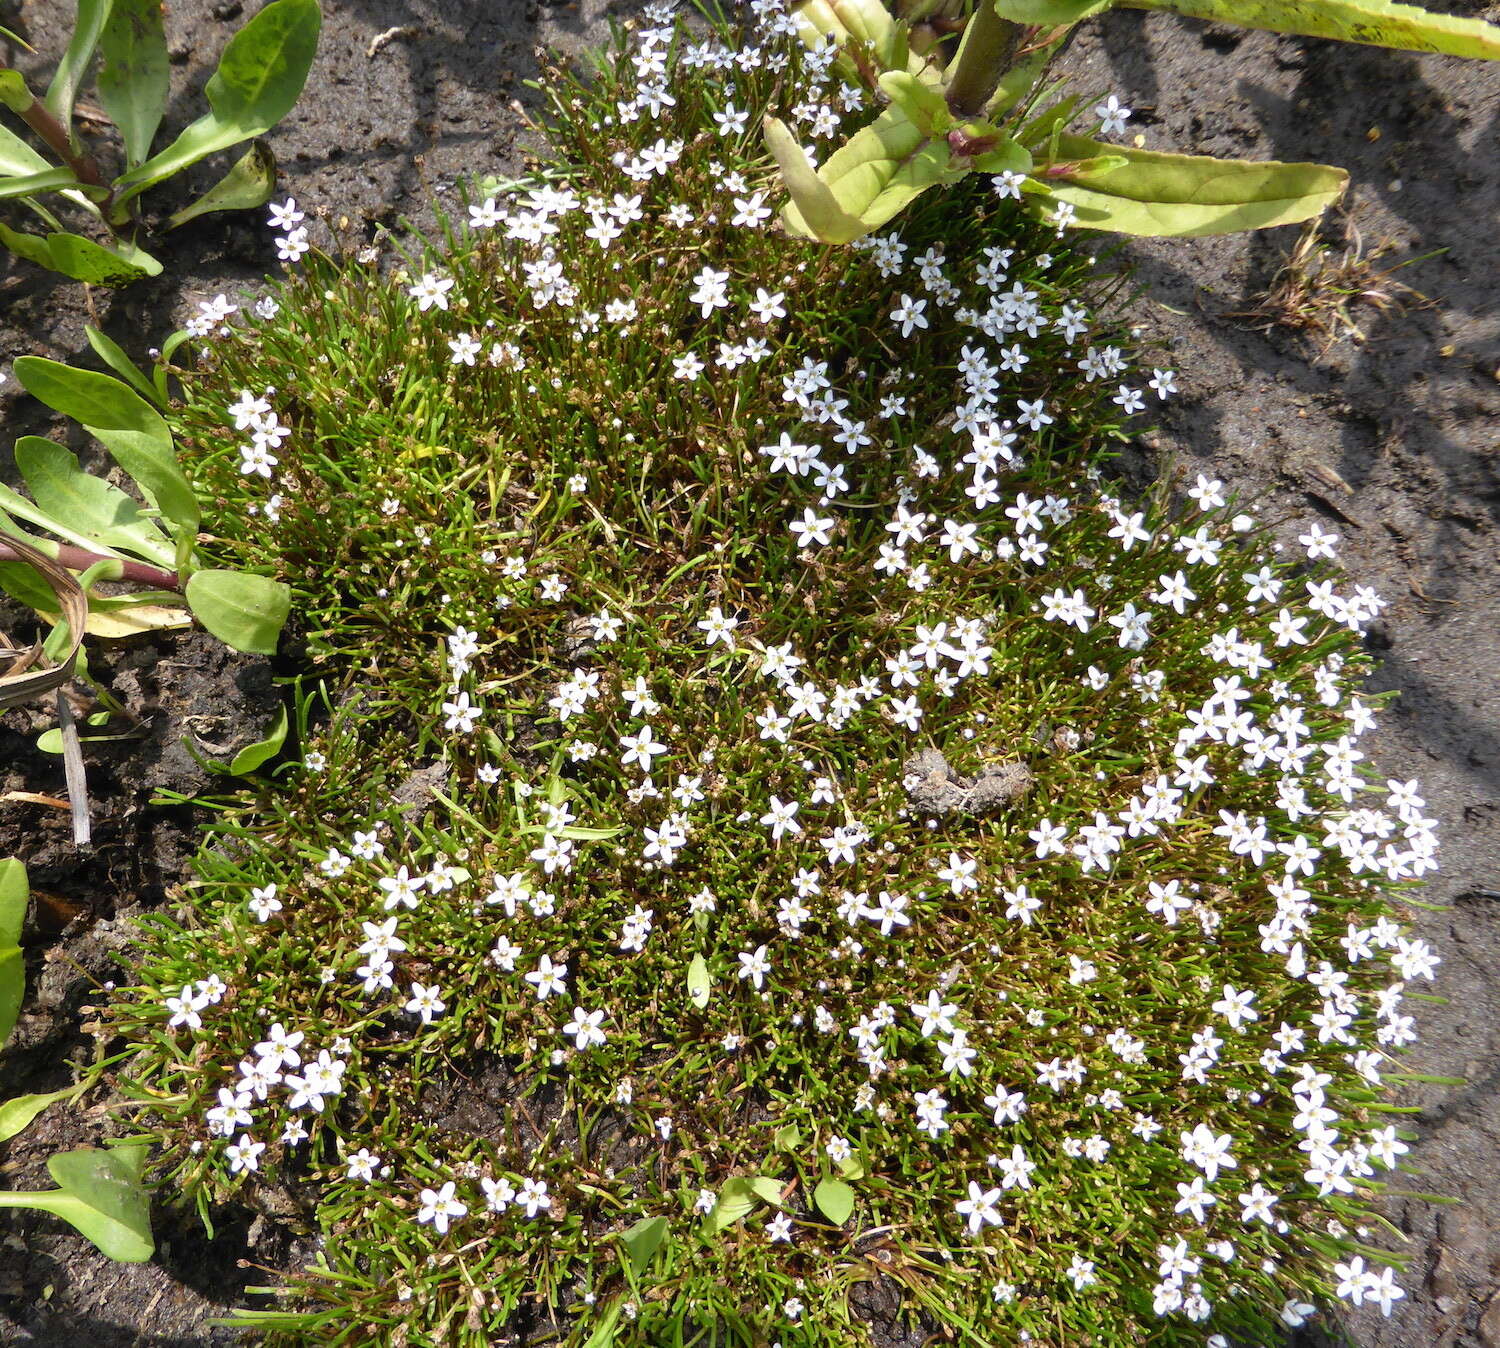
point(1393, 438)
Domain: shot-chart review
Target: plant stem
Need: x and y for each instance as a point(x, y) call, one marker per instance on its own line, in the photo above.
point(56, 135)
point(988, 44)
point(79, 559)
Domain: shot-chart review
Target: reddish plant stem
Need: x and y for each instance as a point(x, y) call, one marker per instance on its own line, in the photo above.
point(79, 559)
point(56, 135)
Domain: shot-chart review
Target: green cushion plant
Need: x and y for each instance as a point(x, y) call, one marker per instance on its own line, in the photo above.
point(786, 821)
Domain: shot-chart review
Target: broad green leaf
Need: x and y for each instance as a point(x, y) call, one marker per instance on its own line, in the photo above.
point(834, 1199)
point(254, 755)
point(878, 170)
point(88, 20)
point(44, 180)
point(736, 1200)
point(13, 91)
point(788, 1137)
point(767, 1189)
point(17, 1113)
point(104, 514)
point(250, 183)
point(1009, 155)
point(100, 1193)
point(853, 1167)
point(12, 988)
point(1376, 23)
point(15, 894)
point(245, 611)
point(124, 423)
point(17, 157)
point(19, 506)
point(259, 79)
point(82, 259)
point(1157, 194)
point(111, 354)
point(923, 105)
point(813, 211)
point(698, 981)
point(643, 1240)
point(133, 81)
point(1049, 13)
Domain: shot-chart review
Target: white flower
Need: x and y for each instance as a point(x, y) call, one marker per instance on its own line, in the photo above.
point(584, 1027)
point(431, 291)
point(426, 1002)
point(362, 1165)
point(754, 966)
point(1112, 115)
point(244, 1155)
point(533, 1196)
point(439, 1207)
point(548, 978)
point(980, 1207)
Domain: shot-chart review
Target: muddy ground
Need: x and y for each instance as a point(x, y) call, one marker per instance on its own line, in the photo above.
point(1394, 437)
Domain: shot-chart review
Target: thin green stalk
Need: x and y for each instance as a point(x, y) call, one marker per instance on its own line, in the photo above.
point(984, 55)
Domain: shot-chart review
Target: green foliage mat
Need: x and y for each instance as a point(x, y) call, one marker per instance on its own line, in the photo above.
point(774, 817)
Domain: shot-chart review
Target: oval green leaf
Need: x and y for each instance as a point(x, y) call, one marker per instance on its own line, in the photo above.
point(834, 1199)
point(259, 79)
point(736, 1200)
point(1375, 23)
point(124, 423)
point(254, 755)
point(110, 1204)
point(698, 982)
point(17, 1113)
point(1154, 194)
point(813, 212)
point(102, 513)
point(134, 80)
point(643, 1240)
point(245, 611)
point(82, 259)
point(250, 183)
point(768, 1190)
point(15, 894)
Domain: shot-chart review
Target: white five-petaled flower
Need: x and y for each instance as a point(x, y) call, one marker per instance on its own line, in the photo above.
point(1112, 115)
point(811, 528)
point(640, 748)
point(981, 1208)
point(781, 818)
point(909, 314)
point(439, 1207)
point(244, 1155)
point(585, 1028)
point(548, 978)
point(426, 1002)
point(431, 291)
point(754, 965)
point(718, 626)
point(401, 888)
